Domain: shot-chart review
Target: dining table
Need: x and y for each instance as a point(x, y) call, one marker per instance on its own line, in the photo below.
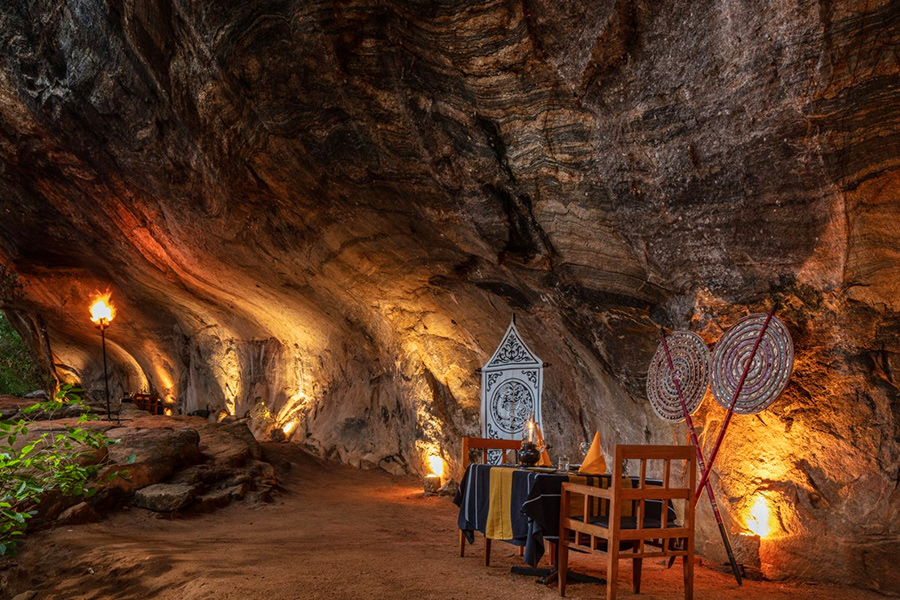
point(521, 505)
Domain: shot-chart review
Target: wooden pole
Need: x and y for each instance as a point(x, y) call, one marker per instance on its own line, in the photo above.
point(737, 392)
point(700, 460)
point(105, 376)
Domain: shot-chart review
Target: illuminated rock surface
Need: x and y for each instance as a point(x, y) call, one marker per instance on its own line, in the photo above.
point(325, 214)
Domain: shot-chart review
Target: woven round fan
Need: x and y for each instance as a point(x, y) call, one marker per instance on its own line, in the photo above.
point(691, 359)
point(769, 373)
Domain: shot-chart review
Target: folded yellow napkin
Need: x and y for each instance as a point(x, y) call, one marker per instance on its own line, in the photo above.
point(539, 439)
point(594, 463)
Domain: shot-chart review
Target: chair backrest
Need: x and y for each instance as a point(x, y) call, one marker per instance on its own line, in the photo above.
point(666, 492)
point(149, 402)
point(485, 444)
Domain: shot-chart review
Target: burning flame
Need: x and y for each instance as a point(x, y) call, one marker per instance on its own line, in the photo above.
point(758, 517)
point(102, 312)
point(436, 463)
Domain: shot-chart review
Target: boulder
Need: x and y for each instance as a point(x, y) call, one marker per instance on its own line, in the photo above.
point(78, 514)
point(449, 488)
point(229, 444)
point(168, 471)
point(8, 412)
point(164, 497)
point(201, 475)
point(158, 453)
point(263, 493)
point(264, 472)
point(212, 500)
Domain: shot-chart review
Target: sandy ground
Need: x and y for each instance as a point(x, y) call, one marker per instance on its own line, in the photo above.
point(334, 532)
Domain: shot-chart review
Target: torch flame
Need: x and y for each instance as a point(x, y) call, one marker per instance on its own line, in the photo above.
point(436, 463)
point(102, 311)
point(758, 518)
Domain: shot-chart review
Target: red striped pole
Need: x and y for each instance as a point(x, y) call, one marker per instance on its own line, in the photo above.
point(696, 444)
point(737, 392)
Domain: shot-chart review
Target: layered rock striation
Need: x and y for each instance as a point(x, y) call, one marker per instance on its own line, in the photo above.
point(324, 214)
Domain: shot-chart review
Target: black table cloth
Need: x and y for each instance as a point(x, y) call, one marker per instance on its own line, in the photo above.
point(521, 506)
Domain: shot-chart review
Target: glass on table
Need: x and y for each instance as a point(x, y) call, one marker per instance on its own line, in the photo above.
point(585, 448)
point(563, 463)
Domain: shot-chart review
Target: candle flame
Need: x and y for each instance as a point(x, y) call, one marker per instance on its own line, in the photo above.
point(102, 311)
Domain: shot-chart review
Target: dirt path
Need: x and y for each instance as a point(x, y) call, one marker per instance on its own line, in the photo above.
point(336, 533)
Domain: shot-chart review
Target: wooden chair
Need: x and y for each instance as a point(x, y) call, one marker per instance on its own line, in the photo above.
point(149, 402)
point(485, 444)
point(631, 537)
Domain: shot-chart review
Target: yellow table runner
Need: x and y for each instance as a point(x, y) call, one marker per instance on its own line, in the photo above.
point(499, 521)
point(499, 524)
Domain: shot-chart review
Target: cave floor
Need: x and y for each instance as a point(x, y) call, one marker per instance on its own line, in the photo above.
point(334, 532)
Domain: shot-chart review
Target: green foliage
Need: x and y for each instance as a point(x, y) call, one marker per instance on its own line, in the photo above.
point(20, 373)
point(32, 465)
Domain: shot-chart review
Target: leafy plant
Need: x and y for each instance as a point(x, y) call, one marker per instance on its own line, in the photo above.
point(20, 372)
point(33, 465)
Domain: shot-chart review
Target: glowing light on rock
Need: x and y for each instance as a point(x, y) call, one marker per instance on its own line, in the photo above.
point(436, 464)
point(163, 383)
point(759, 517)
point(102, 310)
point(289, 427)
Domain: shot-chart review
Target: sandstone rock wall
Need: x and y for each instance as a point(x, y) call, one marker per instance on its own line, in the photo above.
point(324, 213)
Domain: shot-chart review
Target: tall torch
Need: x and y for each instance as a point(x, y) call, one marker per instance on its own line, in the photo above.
point(102, 314)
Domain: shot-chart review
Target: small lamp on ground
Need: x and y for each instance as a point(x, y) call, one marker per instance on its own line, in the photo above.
point(102, 314)
point(434, 480)
point(748, 545)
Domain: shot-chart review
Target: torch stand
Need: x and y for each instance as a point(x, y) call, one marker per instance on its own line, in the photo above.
point(102, 327)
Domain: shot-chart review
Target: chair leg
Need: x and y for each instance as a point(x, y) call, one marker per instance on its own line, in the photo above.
point(689, 577)
point(562, 563)
point(612, 569)
point(521, 550)
point(636, 563)
point(487, 552)
point(553, 554)
point(462, 544)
